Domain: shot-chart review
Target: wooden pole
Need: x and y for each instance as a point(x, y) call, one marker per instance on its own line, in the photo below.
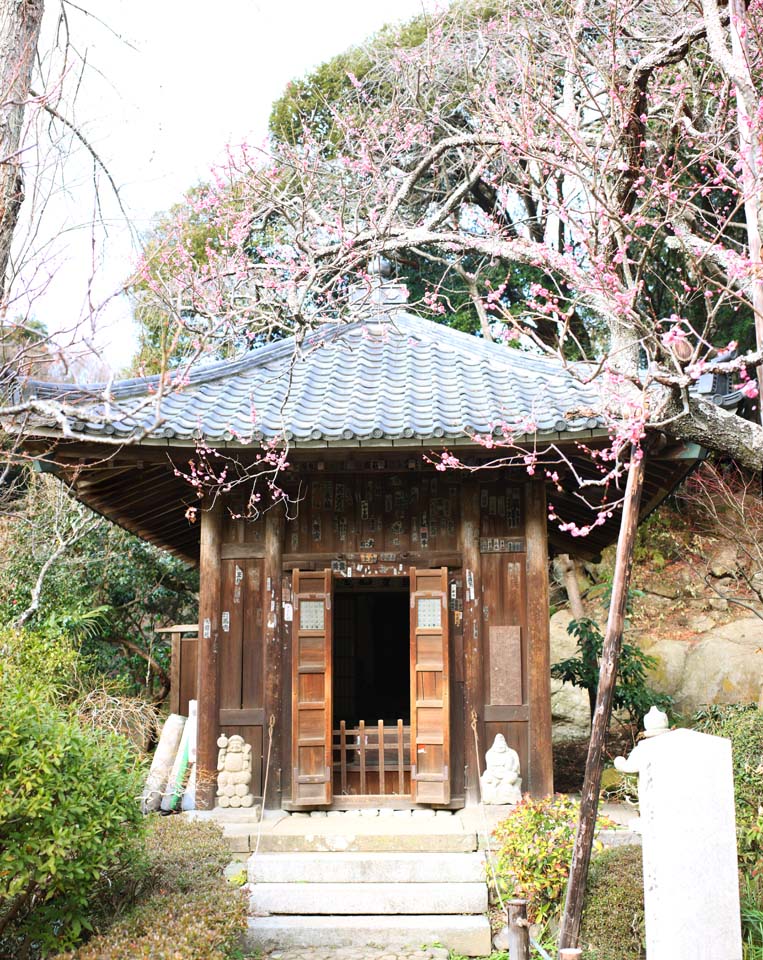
point(589, 803)
point(539, 648)
point(519, 930)
point(474, 695)
point(275, 653)
point(571, 953)
point(207, 685)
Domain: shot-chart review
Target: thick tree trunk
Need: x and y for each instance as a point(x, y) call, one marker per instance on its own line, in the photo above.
point(717, 429)
point(19, 32)
point(589, 803)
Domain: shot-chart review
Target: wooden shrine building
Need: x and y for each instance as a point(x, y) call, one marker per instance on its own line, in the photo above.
point(369, 637)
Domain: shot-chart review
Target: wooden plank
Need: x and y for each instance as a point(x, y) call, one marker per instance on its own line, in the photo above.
point(252, 717)
point(231, 637)
point(253, 667)
point(474, 696)
point(362, 743)
point(188, 671)
point(400, 757)
point(505, 646)
point(208, 646)
point(541, 773)
point(343, 755)
point(174, 672)
point(273, 642)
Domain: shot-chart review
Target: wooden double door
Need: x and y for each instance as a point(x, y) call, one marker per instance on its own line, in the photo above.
point(312, 690)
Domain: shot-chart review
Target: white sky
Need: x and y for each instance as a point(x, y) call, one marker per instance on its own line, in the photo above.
point(160, 104)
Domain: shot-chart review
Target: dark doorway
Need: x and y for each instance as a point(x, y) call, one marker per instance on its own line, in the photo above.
point(372, 651)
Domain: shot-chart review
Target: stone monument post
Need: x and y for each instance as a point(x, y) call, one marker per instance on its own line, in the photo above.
point(691, 884)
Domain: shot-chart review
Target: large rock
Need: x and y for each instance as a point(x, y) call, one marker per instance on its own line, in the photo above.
point(723, 665)
point(570, 711)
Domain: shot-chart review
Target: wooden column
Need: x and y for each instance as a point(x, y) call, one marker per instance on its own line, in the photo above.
point(275, 639)
point(539, 653)
point(474, 693)
point(208, 646)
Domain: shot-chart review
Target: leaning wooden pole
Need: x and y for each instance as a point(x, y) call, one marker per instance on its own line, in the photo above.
point(589, 803)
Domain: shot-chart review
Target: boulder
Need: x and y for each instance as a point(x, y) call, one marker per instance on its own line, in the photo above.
point(570, 712)
point(723, 665)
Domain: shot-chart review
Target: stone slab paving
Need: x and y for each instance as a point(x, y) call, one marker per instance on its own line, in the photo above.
point(360, 953)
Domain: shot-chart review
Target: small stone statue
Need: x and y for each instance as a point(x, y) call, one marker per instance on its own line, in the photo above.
point(501, 783)
point(234, 765)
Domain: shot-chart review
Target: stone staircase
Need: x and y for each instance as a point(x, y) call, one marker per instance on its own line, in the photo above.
point(371, 894)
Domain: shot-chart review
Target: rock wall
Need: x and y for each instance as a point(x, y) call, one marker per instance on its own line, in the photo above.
point(570, 712)
point(722, 663)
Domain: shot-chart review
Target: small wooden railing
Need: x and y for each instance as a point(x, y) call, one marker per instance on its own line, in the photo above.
point(380, 749)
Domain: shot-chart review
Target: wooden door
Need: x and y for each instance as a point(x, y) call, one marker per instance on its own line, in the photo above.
point(430, 687)
point(311, 688)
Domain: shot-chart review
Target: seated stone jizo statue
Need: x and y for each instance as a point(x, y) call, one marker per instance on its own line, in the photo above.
point(501, 782)
point(234, 766)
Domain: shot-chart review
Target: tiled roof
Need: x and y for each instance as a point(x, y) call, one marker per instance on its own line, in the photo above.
point(396, 378)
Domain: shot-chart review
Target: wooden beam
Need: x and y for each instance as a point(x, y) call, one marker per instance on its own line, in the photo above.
point(208, 645)
point(274, 642)
point(538, 630)
point(589, 802)
point(474, 691)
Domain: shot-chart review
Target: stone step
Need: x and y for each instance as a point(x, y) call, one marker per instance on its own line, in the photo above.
point(328, 842)
point(367, 898)
point(468, 936)
point(374, 867)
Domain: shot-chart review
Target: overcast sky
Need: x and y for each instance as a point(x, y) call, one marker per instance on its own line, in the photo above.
point(168, 83)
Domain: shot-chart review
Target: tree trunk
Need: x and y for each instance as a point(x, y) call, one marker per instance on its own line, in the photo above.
point(581, 856)
point(19, 32)
point(569, 569)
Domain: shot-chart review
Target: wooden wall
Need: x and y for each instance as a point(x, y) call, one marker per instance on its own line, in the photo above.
point(386, 523)
point(242, 658)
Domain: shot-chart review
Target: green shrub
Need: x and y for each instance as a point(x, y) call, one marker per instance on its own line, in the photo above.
point(188, 911)
point(632, 692)
point(534, 850)
point(68, 812)
point(49, 663)
point(612, 927)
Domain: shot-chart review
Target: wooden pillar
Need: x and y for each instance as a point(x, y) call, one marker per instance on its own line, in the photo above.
point(539, 652)
point(275, 638)
point(474, 695)
point(207, 684)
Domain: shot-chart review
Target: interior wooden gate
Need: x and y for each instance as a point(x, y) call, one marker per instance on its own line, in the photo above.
point(430, 687)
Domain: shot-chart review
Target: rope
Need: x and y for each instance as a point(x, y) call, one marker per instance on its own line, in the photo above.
point(271, 725)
